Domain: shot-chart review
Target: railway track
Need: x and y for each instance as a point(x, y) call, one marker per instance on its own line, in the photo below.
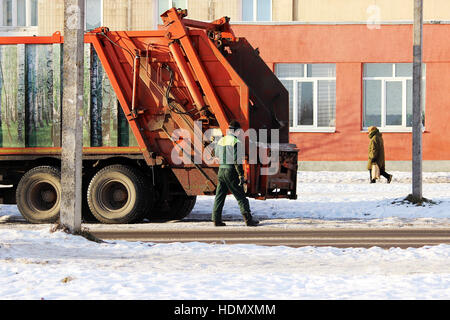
point(384, 238)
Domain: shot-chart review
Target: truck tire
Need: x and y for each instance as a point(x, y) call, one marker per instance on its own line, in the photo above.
point(86, 215)
point(38, 194)
point(177, 208)
point(190, 205)
point(119, 194)
point(182, 208)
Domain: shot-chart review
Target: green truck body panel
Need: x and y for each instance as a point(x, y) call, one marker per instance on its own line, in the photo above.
point(31, 98)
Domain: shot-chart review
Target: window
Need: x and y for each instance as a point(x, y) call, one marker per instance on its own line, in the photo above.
point(312, 95)
point(164, 5)
point(387, 96)
point(256, 10)
point(18, 13)
point(93, 17)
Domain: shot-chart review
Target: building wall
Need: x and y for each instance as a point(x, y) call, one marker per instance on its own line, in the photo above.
point(199, 9)
point(50, 17)
point(282, 10)
point(325, 10)
point(128, 14)
point(353, 10)
point(117, 15)
point(362, 10)
point(230, 9)
point(140, 14)
point(349, 46)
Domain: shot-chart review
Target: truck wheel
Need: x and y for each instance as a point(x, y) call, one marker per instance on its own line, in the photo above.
point(181, 208)
point(118, 194)
point(87, 215)
point(190, 205)
point(176, 208)
point(38, 194)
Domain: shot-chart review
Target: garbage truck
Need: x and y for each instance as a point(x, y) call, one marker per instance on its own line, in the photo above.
point(154, 103)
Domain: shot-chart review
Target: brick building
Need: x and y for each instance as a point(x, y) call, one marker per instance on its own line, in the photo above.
point(347, 65)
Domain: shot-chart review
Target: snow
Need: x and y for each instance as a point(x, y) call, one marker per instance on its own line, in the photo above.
point(38, 264)
point(348, 196)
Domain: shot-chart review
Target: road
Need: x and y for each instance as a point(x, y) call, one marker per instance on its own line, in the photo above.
point(272, 232)
point(384, 238)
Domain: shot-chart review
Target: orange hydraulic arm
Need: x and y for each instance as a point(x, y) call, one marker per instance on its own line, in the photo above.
point(187, 74)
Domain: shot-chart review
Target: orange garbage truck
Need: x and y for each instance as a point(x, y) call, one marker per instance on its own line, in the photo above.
point(154, 104)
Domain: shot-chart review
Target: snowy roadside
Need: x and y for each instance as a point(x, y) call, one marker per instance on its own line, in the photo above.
point(346, 198)
point(332, 198)
point(36, 263)
point(42, 265)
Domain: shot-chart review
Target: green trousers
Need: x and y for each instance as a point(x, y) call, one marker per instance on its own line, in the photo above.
point(229, 180)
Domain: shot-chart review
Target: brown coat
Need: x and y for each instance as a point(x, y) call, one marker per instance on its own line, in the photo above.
point(376, 150)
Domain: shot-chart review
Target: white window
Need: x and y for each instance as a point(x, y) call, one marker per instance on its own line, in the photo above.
point(312, 95)
point(94, 14)
point(387, 95)
point(18, 13)
point(256, 10)
point(164, 5)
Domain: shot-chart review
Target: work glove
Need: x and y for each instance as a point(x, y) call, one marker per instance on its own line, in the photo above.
point(241, 181)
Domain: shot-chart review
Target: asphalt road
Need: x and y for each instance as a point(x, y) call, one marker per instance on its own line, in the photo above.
point(384, 238)
point(273, 232)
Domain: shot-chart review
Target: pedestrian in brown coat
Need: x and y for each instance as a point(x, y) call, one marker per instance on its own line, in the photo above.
point(376, 154)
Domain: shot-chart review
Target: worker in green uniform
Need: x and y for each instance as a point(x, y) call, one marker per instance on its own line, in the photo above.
point(231, 177)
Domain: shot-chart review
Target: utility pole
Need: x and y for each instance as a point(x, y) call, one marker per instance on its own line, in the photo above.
point(72, 134)
point(417, 101)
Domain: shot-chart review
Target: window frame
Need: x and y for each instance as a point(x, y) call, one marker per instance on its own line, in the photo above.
point(14, 18)
point(255, 12)
point(315, 80)
point(393, 78)
point(85, 15)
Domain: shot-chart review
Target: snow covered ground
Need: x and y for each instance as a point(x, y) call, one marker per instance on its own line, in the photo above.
point(35, 263)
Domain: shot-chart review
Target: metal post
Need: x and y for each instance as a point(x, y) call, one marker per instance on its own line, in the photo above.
point(72, 134)
point(417, 99)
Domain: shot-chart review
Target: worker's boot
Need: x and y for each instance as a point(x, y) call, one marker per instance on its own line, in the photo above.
point(217, 219)
point(250, 221)
point(219, 224)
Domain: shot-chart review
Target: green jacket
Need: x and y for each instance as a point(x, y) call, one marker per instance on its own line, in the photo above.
point(376, 150)
point(230, 153)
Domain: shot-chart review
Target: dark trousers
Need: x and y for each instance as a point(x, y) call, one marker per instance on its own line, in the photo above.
point(382, 173)
point(229, 180)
